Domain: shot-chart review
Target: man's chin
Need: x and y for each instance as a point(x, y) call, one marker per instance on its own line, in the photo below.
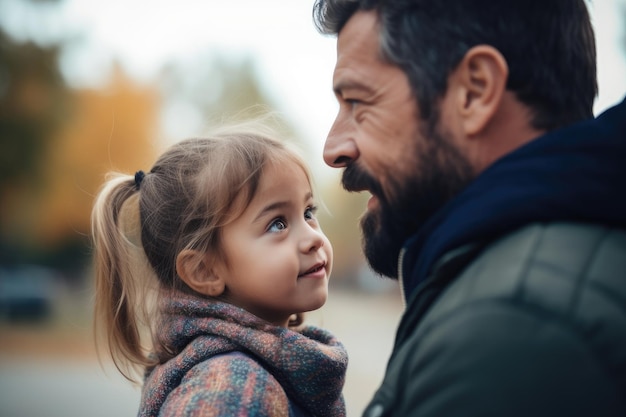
point(381, 249)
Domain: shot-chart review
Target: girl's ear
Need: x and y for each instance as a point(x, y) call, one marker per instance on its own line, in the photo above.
point(196, 270)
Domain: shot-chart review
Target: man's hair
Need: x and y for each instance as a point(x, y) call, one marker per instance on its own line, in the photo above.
point(549, 47)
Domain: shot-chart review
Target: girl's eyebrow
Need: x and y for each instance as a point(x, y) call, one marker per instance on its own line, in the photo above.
point(278, 205)
point(271, 207)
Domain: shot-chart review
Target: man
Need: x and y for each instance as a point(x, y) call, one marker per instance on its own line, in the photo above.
point(496, 200)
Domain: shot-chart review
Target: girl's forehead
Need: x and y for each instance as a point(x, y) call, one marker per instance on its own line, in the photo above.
point(285, 168)
point(284, 178)
point(279, 181)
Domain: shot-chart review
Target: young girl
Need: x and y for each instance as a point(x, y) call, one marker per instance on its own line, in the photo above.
point(225, 227)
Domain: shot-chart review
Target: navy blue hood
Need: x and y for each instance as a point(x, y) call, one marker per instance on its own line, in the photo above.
point(577, 174)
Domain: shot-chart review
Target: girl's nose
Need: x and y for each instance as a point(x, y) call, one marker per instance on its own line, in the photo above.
point(313, 240)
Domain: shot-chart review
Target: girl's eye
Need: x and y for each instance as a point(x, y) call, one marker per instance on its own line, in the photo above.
point(277, 225)
point(309, 213)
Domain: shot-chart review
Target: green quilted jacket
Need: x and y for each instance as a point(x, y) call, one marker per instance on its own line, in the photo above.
point(532, 325)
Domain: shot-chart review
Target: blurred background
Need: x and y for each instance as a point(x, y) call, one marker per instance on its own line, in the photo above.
point(87, 87)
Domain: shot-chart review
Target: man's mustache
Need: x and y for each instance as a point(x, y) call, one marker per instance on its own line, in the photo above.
point(355, 179)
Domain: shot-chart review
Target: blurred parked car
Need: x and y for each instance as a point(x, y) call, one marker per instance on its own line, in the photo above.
point(27, 293)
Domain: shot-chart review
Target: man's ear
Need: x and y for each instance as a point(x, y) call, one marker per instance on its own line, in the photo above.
point(481, 79)
point(196, 270)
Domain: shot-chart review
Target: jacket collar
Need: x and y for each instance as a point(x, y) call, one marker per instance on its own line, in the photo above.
point(571, 174)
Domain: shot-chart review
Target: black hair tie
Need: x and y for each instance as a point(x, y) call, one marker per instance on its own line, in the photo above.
point(139, 176)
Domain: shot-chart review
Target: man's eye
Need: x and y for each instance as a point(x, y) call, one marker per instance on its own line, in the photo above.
point(277, 225)
point(352, 103)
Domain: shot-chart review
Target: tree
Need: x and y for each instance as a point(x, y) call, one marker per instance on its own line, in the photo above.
point(33, 104)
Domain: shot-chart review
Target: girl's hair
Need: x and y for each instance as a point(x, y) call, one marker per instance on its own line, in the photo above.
point(140, 227)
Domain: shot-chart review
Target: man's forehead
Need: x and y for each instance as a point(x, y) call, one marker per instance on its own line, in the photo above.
point(357, 51)
point(360, 31)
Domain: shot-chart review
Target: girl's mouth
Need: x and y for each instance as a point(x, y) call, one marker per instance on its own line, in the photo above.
point(316, 269)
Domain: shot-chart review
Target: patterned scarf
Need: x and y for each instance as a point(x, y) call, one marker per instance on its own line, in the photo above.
point(309, 364)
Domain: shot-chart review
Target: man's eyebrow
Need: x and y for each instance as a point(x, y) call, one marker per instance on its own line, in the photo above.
point(344, 85)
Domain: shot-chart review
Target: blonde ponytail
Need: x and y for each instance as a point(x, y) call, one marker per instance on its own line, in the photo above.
point(122, 275)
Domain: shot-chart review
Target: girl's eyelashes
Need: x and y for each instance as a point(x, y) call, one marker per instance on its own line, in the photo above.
point(277, 225)
point(309, 213)
point(280, 223)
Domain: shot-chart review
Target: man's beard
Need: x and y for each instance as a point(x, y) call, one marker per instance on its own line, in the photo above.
point(440, 173)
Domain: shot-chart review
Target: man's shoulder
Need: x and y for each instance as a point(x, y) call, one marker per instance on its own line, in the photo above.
point(551, 266)
point(551, 256)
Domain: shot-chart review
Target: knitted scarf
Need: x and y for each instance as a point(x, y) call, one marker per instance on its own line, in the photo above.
point(310, 364)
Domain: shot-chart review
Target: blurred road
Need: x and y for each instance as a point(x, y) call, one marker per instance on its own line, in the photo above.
point(59, 376)
point(38, 387)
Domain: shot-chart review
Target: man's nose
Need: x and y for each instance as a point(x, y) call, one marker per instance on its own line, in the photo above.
point(340, 148)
